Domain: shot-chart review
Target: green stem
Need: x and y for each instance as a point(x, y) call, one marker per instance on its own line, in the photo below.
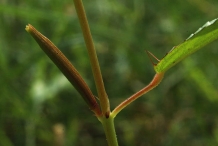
point(156, 80)
point(104, 102)
point(108, 124)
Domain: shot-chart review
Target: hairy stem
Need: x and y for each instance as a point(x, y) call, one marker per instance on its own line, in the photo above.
point(108, 124)
point(156, 80)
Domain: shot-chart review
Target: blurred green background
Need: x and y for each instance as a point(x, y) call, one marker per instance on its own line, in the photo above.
point(38, 106)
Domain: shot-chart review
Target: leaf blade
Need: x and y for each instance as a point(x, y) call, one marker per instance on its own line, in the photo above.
point(203, 36)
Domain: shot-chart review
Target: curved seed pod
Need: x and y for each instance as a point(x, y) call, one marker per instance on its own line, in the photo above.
point(66, 68)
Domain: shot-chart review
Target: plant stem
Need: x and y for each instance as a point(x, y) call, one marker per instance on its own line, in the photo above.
point(156, 80)
point(106, 120)
point(104, 102)
point(108, 124)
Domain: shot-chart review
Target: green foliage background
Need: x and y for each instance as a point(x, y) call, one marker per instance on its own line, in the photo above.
point(36, 100)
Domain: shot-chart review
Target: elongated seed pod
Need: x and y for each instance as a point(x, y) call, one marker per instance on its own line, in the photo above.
point(66, 68)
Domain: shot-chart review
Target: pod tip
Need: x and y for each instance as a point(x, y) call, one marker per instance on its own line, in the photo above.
point(28, 28)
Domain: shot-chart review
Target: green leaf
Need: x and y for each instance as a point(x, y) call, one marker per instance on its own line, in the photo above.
point(203, 36)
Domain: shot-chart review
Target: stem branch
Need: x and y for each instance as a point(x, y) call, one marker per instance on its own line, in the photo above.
point(156, 80)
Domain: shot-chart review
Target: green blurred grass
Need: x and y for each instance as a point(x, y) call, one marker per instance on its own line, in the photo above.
point(35, 97)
